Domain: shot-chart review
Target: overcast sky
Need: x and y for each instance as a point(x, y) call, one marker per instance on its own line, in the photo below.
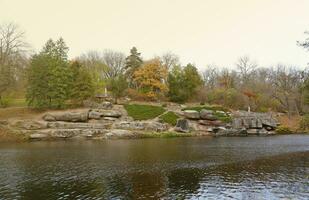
point(199, 31)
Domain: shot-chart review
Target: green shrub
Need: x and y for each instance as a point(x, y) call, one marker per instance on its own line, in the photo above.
point(143, 112)
point(4, 102)
point(283, 130)
point(170, 118)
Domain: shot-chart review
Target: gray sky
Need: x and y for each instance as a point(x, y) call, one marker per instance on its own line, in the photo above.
point(199, 31)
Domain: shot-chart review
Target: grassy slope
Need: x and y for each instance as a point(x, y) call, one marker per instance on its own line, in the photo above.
point(170, 118)
point(143, 112)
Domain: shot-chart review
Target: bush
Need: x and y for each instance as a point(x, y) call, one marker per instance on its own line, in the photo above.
point(4, 102)
point(170, 118)
point(143, 112)
point(304, 123)
point(283, 130)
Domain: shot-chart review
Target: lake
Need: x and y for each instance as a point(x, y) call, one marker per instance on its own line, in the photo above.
point(177, 168)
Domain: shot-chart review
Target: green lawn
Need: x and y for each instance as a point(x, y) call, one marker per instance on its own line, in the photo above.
point(143, 112)
point(170, 118)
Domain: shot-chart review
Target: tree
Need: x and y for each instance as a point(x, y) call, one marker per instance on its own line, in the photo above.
point(115, 63)
point(82, 86)
point(246, 69)
point(287, 82)
point(49, 76)
point(13, 49)
point(183, 83)
point(118, 85)
point(133, 62)
point(169, 60)
point(176, 84)
point(150, 78)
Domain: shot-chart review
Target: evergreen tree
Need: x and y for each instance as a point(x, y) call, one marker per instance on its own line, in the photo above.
point(49, 76)
point(133, 62)
point(183, 83)
point(82, 85)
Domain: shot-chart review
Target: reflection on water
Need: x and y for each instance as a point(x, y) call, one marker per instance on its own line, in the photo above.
point(180, 168)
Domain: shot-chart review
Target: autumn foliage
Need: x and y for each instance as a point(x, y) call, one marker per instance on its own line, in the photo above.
point(150, 79)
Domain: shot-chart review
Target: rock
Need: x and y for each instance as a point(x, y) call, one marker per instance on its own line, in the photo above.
point(49, 117)
point(210, 123)
point(98, 113)
point(29, 124)
point(38, 136)
point(109, 118)
point(67, 117)
point(135, 125)
point(230, 132)
point(182, 126)
point(252, 131)
point(208, 115)
point(95, 105)
point(3, 122)
point(119, 133)
point(94, 115)
point(105, 105)
point(64, 133)
point(67, 125)
point(192, 114)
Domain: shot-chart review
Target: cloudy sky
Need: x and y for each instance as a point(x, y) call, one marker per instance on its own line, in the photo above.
point(199, 31)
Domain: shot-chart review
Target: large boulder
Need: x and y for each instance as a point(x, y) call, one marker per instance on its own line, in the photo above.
point(192, 114)
point(182, 125)
point(67, 116)
point(95, 105)
point(135, 125)
point(100, 113)
point(116, 133)
point(205, 113)
point(67, 125)
point(29, 124)
point(211, 123)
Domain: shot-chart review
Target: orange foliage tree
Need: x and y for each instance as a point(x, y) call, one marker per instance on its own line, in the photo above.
point(151, 79)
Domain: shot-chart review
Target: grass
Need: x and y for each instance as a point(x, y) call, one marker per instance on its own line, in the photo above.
point(143, 112)
point(283, 130)
point(170, 118)
point(165, 135)
point(18, 102)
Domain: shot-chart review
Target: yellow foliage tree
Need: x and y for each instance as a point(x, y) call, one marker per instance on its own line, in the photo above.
point(151, 78)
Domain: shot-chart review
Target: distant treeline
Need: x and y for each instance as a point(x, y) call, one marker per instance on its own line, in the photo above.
point(48, 79)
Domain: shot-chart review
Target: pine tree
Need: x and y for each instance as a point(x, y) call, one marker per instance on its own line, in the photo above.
point(49, 76)
point(133, 62)
point(82, 85)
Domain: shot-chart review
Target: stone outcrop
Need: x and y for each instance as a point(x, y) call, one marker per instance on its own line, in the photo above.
point(182, 125)
point(29, 124)
point(67, 116)
point(138, 125)
point(100, 113)
point(95, 105)
point(192, 114)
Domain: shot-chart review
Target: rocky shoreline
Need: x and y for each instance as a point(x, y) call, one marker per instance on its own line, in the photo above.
point(108, 122)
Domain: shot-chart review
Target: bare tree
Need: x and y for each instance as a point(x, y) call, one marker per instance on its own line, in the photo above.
point(246, 68)
point(13, 50)
point(210, 76)
point(169, 60)
point(287, 82)
point(115, 62)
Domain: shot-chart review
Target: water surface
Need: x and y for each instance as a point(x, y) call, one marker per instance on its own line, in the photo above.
point(177, 168)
